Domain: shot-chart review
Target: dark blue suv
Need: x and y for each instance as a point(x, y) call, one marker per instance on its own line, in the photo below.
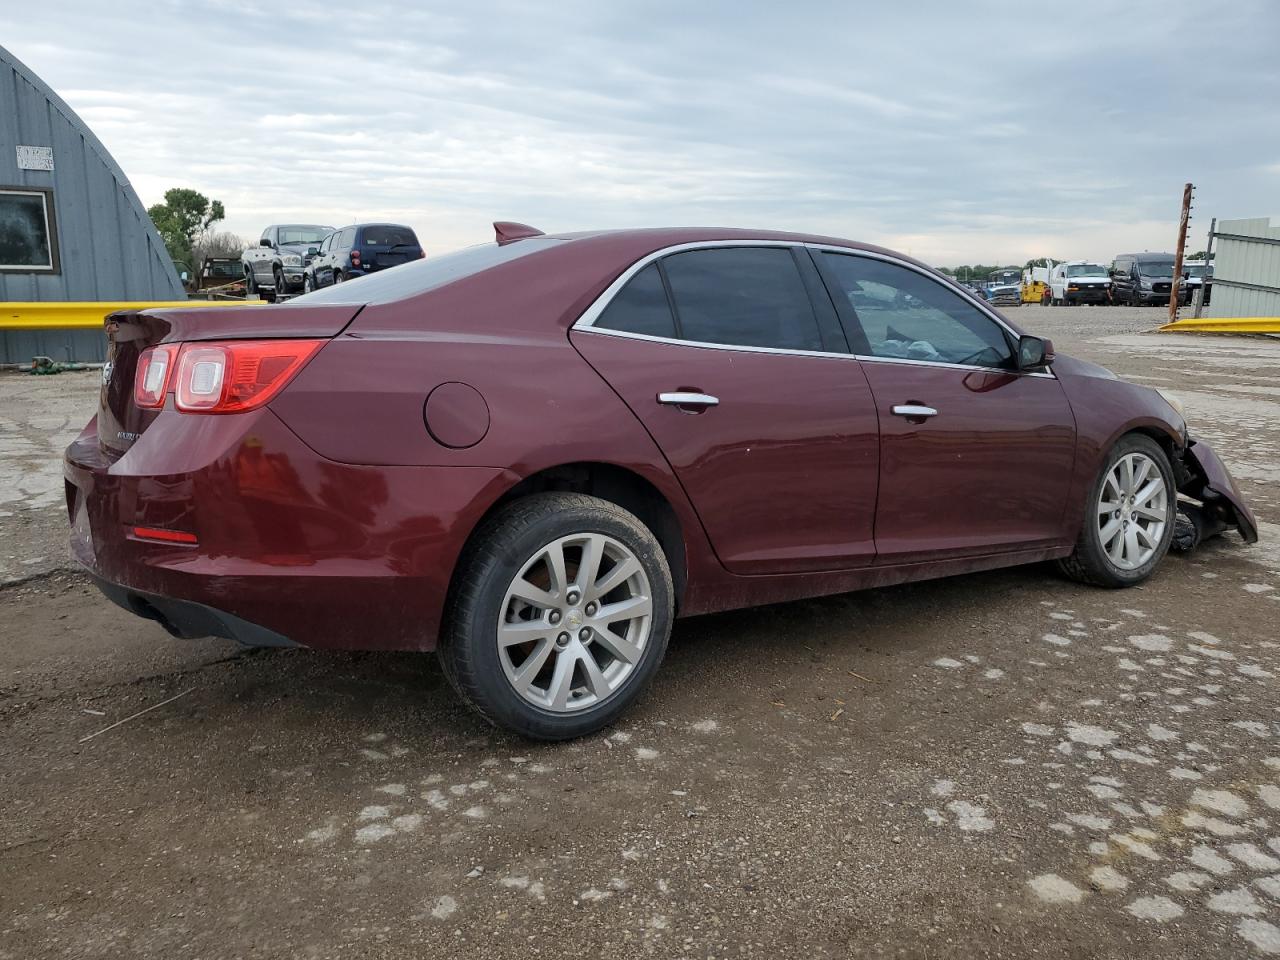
point(359, 249)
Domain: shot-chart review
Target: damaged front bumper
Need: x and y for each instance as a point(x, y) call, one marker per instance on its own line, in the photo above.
point(1209, 502)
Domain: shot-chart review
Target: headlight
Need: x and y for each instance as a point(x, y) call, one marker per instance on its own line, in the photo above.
point(1174, 402)
point(292, 260)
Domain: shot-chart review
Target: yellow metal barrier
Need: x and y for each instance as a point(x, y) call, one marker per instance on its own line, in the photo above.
point(1223, 325)
point(87, 315)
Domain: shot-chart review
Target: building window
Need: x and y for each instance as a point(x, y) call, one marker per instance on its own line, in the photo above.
point(28, 231)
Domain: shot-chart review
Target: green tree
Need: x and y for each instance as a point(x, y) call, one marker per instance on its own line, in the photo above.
point(184, 216)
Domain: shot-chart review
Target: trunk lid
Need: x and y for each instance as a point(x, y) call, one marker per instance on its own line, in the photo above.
point(129, 332)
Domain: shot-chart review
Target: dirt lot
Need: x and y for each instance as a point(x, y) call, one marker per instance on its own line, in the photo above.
point(1003, 765)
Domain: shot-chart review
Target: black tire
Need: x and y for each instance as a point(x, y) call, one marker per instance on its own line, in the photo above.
point(307, 285)
point(250, 287)
point(282, 288)
point(495, 555)
point(1089, 562)
point(337, 276)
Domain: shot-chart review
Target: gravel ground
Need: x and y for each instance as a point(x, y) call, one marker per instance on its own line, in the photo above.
point(998, 765)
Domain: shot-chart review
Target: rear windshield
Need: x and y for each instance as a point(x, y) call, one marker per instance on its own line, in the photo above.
point(383, 235)
point(419, 276)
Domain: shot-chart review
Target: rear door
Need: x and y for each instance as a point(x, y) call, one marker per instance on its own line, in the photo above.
point(734, 360)
point(975, 458)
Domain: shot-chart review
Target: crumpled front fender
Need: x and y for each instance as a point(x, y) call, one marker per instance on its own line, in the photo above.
point(1208, 480)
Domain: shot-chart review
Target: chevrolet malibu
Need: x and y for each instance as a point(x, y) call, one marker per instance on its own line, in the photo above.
point(532, 455)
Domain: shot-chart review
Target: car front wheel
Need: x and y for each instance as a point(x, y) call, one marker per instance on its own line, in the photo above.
point(559, 615)
point(1129, 522)
point(307, 286)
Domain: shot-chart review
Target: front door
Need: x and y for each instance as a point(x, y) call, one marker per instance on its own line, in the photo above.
point(765, 418)
point(975, 458)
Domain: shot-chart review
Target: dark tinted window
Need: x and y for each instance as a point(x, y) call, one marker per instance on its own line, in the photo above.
point(386, 235)
point(419, 276)
point(744, 296)
point(907, 315)
point(640, 307)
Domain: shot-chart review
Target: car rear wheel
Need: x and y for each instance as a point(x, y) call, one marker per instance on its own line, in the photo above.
point(1129, 523)
point(559, 615)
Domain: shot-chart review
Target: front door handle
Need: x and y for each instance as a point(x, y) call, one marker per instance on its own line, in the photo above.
point(683, 398)
point(914, 411)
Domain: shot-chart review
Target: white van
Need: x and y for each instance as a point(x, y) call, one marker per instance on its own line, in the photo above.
point(1079, 281)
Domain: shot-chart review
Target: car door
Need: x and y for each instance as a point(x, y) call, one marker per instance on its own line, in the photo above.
point(322, 269)
point(734, 360)
point(975, 457)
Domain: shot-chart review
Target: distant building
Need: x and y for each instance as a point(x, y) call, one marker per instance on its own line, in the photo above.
point(71, 226)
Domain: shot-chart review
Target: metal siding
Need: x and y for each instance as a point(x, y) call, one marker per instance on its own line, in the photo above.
point(1246, 262)
point(108, 247)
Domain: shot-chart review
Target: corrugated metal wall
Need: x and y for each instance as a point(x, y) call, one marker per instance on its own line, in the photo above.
point(1246, 269)
point(108, 247)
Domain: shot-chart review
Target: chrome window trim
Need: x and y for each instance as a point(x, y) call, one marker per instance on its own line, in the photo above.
point(586, 321)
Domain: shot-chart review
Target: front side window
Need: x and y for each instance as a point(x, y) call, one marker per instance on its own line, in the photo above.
point(640, 307)
point(28, 239)
point(908, 316)
point(742, 296)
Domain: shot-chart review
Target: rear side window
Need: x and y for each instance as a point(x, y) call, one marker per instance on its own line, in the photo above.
point(419, 276)
point(384, 235)
point(640, 307)
point(742, 296)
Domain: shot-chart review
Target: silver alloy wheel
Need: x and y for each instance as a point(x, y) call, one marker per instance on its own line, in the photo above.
point(1133, 509)
point(575, 622)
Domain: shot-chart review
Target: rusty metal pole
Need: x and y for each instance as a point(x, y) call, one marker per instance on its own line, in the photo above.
point(1208, 262)
point(1176, 289)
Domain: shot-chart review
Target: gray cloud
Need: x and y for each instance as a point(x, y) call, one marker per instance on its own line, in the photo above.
point(958, 132)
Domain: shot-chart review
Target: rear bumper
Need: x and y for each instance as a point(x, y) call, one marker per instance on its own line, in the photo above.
point(188, 619)
point(292, 548)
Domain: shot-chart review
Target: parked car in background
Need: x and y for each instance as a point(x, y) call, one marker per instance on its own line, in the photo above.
point(1198, 274)
point(1142, 279)
point(224, 275)
point(275, 266)
point(359, 249)
point(1079, 281)
point(531, 455)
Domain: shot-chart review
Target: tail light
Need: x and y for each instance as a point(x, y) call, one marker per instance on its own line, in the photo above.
point(235, 376)
point(355, 258)
point(151, 382)
point(422, 254)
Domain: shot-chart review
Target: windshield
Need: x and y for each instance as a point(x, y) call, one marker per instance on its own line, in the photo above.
point(1155, 268)
point(1086, 270)
point(419, 276)
point(1195, 271)
point(304, 234)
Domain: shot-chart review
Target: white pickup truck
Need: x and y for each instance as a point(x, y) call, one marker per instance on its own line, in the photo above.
point(274, 267)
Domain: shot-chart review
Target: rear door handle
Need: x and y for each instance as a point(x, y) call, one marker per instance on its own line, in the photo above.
point(913, 411)
point(688, 399)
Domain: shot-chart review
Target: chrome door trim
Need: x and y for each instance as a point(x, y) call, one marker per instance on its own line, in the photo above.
point(586, 321)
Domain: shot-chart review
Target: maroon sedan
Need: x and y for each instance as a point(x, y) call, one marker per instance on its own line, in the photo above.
point(530, 456)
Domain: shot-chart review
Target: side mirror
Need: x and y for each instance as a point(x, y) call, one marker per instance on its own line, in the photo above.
point(1034, 353)
point(312, 251)
point(264, 242)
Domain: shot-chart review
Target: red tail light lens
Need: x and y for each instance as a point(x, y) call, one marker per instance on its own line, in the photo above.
point(151, 382)
point(235, 376)
point(355, 256)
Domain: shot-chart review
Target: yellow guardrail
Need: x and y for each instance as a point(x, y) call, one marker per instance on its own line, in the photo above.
point(1223, 325)
point(68, 315)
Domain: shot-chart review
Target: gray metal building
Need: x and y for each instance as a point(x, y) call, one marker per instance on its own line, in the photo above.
point(71, 226)
point(1246, 269)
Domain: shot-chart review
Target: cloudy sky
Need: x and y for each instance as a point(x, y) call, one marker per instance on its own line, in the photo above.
point(967, 132)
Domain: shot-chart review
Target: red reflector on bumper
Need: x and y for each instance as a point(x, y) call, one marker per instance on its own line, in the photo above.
point(165, 536)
